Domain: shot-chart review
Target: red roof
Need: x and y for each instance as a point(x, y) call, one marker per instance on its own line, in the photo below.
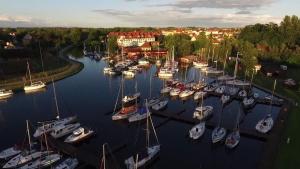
point(146, 45)
point(135, 34)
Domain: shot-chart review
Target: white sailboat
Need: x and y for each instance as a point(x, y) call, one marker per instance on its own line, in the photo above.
point(69, 163)
point(128, 99)
point(219, 132)
point(10, 152)
point(47, 127)
point(186, 93)
point(266, 124)
point(149, 153)
point(141, 114)
point(200, 94)
point(197, 131)
point(33, 86)
point(25, 156)
point(42, 162)
point(202, 112)
point(233, 139)
point(160, 105)
point(220, 89)
point(5, 93)
point(248, 102)
point(175, 92)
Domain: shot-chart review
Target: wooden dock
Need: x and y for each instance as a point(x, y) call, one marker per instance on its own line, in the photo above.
point(83, 156)
point(244, 132)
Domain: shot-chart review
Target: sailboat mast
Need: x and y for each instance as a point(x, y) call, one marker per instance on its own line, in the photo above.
point(136, 161)
point(236, 65)
point(45, 135)
point(147, 127)
point(103, 156)
point(29, 72)
point(150, 85)
point(122, 90)
point(28, 134)
point(225, 62)
point(55, 99)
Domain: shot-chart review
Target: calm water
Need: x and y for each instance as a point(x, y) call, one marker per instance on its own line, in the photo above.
point(91, 96)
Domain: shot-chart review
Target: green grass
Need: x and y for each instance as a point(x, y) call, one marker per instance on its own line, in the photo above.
point(288, 154)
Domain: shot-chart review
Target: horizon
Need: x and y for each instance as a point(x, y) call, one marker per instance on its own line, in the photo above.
point(143, 13)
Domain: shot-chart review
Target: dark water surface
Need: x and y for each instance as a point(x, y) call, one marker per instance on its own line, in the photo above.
point(91, 96)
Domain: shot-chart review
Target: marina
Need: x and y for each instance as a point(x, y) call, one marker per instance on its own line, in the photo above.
point(91, 96)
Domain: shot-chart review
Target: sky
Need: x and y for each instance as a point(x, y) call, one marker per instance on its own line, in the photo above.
point(142, 13)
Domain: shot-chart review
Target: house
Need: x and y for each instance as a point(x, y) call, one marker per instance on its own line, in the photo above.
point(146, 46)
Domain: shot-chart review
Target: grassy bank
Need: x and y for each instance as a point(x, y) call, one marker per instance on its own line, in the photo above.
point(287, 157)
point(70, 68)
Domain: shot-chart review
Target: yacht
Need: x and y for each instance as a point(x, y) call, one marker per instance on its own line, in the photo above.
point(141, 114)
point(160, 105)
point(63, 130)
point(218, 134)
point(233, 139)
point(143, 62)
point(186, 93)
point(166, 90)
point(203, 112)
point(23, 158)
point(10, 152)
point(34, 86)
point(49, 126)
point(220, 90)
point(243, 93)
point(106, 70)
point(165, 73)
point(130, 99)
point(42, 162)
point(5, 93)
point(79, 134)
point(175, 92)
point(248, 102)
point(125, 113)
point(199, 95)
point(197, 131)
point(265, 124)
point(69, 163)
point(128, 73)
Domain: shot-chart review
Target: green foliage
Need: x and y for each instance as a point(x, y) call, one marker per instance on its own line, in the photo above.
point(181, 43)
point(249, 55)
point(112, 45)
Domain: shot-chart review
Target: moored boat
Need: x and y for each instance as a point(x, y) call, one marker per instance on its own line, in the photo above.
point(199, 95)
point(5, 93)
point(79, 134)
point(42, 162)
point(125, 113)
point(63, 130)
point(10, 152)
point(225, 99)
point(233, 139)
point(197, 131)
point(218, 134)
point(186, 93)
point(265, 124)
point(160, 105)
point(69, 163)
point(203, 112)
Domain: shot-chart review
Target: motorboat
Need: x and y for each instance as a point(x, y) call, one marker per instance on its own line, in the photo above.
point(141, 114)
point(42, 162)
point(265, 124)
point(248, 102)
point(198, 64)
point(34, 86)
point(165, 73)
point(49, 126)
point(161, 105)
point(233, 139)
point(10, 152)
point(125, 112)
point(197, 131)
point(220, 89)
point(132, 98)
point(243, 93)
point(5, 93)
point(203, 112)
point(199, 95)
point(232, 91)
point(186, 93)
point(175, 92)
point(225, 99)
point(209, 88)
point(128, 73)
point(63, 130)
point(143, 62)
point(106, 70)
point(79, 134)
point(69, 163)
point(166, 90)
point(24, 157)
point(199, 85)
point(218, 134)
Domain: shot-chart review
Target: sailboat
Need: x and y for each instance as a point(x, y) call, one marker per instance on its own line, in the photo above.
point(150, 151)
point(266, 124)
point(69, 163)
point(10, 152)
point(234, 137)
point(197, 131)
point(203, 112)
point(129, 99)
point(219, 132)
point(79, 135)
point(47, 127)
point(26, 155)
point(124, 112)
point(141, 114)
point(199, 63)
point(227, 77)
point(225, 99)
point(5, 93)
point(33, 85)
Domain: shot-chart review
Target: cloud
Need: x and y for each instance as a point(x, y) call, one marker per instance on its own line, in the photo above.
point(113, 12)
point(243, 12)
point(223, 4)
point(19, 21)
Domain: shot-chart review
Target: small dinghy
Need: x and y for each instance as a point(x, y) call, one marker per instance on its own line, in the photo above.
point(166, 90)
point(159, 106)
point(265, 124)
point(218, 134)
point(225, 99)
point(10, 152)
point(197, 131)
point(141, 114)
point(79, 134)
point(233, 139)
point(248, 102)
point(186, 93)
point(203, 112)
point(69, 163)
point(42, 162)
point(199, 95)
point(63, 130)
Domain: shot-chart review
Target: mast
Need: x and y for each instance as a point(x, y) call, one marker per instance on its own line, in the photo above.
point(137, 160)
point(41, 57)
point(55, 99)
point(147, 127)
point(28, 134)
point(45, 135)
point(29, 72)
point(236, 65)
point(213, 55)
point(150, 85)
point(274, 87)
point(122, 90)
point(103, 156)
point(173, 55)
point(136, 99)
point(208, 53)
point(225, 62)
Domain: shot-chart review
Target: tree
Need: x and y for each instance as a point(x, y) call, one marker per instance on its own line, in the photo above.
point(249, 55)
point(112, 44)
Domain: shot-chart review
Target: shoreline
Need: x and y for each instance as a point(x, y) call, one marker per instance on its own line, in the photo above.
point(69, 70)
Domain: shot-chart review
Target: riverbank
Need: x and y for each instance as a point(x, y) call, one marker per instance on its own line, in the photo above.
point(72, 68)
